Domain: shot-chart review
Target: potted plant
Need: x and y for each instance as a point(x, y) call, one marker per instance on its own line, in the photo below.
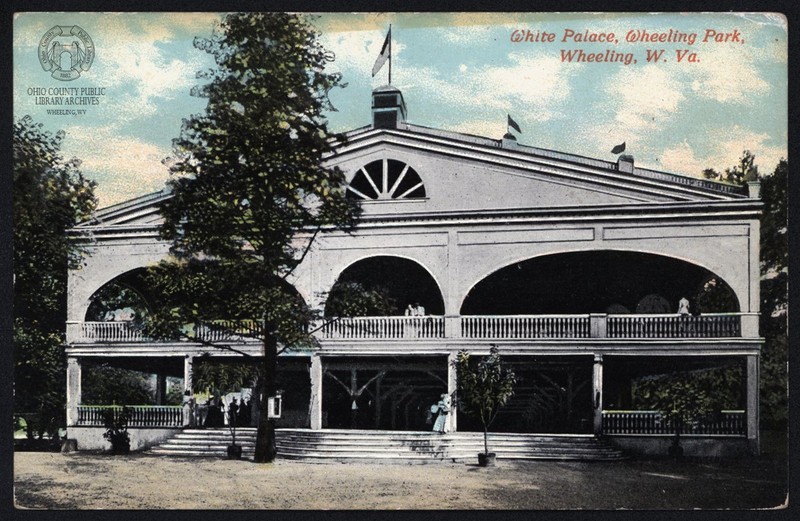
point(116, 424)
point(234, 450)
point(483, 387)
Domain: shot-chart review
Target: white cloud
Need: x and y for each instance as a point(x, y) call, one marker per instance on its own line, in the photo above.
point(643, 97)
point(728, 145)
point(468, 34)
point(125, 166)
point(725, 73)
point(356, 52)
point(533, 84)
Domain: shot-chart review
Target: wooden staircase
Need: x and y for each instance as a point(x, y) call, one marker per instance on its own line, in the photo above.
point(392, 446)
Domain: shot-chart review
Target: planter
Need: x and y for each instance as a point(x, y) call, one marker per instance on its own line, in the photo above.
point(487, 460)
point(234, 452)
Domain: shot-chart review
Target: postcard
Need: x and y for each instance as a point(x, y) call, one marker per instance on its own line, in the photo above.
point(415, 261)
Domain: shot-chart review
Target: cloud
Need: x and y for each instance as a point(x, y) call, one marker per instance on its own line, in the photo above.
point(727, 147)
point(727, 74)
point(643, 97)
point(532, 87)
point(123, 166)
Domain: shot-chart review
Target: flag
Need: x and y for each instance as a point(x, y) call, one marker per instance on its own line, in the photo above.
point(618, 149)
point(386, 53)
point(513, 124)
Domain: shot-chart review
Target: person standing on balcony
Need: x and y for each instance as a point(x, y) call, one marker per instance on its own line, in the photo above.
point(683, 306)
point(443, 409)
point(685, 309)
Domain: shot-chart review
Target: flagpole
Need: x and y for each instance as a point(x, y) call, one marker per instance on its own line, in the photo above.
point(390, 54)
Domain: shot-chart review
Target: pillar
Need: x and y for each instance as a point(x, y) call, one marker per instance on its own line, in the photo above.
point(73, 389)
point(315, 405)
point(188, 374)
point(452, 385)
point(161, 389)
point(597, 393)
point(752, 403)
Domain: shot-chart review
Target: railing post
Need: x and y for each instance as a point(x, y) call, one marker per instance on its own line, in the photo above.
point(452, 326)
point(598, 325)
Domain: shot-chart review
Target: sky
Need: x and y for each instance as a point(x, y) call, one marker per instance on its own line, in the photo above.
point(718, 88)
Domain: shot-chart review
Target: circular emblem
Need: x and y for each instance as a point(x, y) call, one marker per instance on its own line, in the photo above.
point(65, 51)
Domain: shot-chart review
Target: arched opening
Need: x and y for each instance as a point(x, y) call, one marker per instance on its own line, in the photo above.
point(383, 286)
point(605, 281)
point(123, 298)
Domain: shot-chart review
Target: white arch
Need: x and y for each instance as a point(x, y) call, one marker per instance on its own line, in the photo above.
point(400, 256)
point(507, 263)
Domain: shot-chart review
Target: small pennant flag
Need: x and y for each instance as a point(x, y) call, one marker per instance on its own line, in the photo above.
point(386, 53)
point(513, 124)
point(618, 149)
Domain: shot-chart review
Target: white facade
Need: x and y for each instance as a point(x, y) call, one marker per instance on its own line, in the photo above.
point(488, 204)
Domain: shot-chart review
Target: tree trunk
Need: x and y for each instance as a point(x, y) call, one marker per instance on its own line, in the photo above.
point(265, 438)
point(485, 439)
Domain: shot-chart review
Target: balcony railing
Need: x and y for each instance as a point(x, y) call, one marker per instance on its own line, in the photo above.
point(363, 328)
point(525, 326)
point(488, 327)
point(726, 423)
point(138, 415)
point(673, 326)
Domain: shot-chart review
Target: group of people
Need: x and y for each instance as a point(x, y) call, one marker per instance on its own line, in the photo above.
point(415, 310)
point(237, 413)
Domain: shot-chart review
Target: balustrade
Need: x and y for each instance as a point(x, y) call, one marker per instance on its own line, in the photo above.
point(718, 325)
point(525, 326)
point(727, 423)
point(138, 415)
point(490, 327)
point(361, 328)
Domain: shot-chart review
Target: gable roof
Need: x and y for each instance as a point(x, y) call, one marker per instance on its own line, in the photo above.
point(638, 186)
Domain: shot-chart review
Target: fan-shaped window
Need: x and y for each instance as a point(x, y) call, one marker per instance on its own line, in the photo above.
point(386, 179)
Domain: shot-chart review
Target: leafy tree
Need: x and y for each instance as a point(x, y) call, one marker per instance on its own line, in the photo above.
point(354, 299)
point(483, 387)
point(680, 398)
point(774, 297)
point(745, 171)
point(50, 195)
point(774, 259)
point(102, 384)
point(250, 191)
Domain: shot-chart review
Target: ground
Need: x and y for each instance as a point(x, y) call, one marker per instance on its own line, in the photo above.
point(97, 481)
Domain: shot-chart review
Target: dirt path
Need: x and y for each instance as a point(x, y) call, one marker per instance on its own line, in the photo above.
point(91, 481)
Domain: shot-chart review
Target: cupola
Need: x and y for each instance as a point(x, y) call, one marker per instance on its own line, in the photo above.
point(388, 107)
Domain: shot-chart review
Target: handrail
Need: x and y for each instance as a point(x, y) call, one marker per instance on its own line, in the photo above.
point(490, 327)
point(396, 327)
point(138, 415)
point(726, 423)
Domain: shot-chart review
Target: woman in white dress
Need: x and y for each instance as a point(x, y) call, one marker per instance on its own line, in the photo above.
point(443, 408)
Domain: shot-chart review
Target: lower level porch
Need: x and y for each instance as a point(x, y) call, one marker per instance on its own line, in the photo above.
point(556, 394)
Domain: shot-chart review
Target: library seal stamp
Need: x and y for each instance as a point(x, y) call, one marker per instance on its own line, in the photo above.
point(65, 51)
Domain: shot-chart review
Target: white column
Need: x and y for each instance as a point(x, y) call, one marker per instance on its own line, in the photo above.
point(315, 405)
point(597, 393)
point(752, 403)
point(161, 389)
point(188, 374)
point(452, 385)
point(73, 390)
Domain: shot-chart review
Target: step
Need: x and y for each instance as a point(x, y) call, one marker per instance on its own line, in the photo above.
point(391, 446)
